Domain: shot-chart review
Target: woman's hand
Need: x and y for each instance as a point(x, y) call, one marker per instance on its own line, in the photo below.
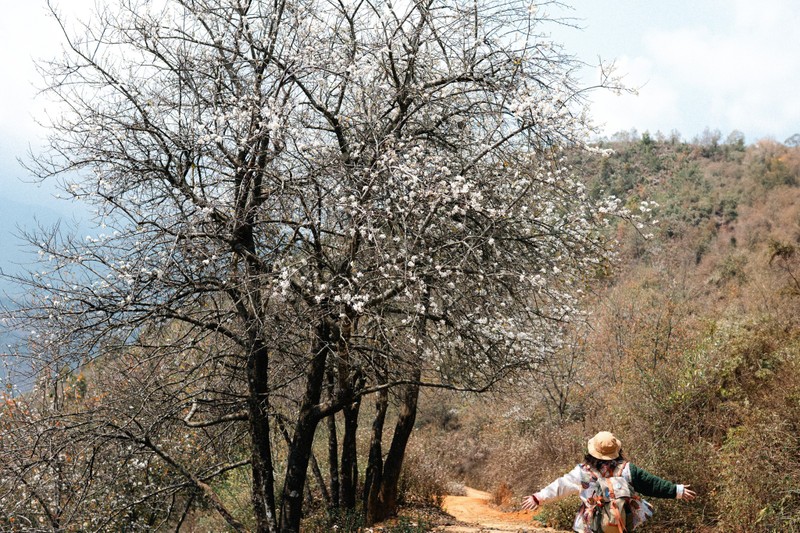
point(530, 502)
point(688, 493)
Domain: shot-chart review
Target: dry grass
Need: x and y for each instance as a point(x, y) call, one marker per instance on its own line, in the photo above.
point(693, 360)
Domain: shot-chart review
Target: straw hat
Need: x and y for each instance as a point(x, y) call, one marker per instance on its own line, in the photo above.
point(604, 446)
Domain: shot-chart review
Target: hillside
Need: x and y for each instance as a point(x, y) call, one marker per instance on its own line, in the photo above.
point(689, 353)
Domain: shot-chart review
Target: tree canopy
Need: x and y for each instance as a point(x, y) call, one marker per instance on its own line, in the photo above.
point(301, 203)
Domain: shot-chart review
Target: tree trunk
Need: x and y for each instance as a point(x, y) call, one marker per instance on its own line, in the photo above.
point(384, 504)
point(374, 475)
point(314, 464)
point(350, 456)
point(323, 488)
point(263, 495)
point(382, 499)
point(347, 382)
point(300, 448)
point(333, 448)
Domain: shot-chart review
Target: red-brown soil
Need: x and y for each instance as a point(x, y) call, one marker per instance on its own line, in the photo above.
point(476, 515)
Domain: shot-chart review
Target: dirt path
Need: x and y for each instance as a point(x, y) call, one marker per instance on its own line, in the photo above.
point(474, 511)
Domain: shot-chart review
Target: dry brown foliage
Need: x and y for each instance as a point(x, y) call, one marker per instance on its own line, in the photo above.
point(693, 358)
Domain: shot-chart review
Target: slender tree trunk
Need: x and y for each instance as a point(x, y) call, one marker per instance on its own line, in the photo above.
point(349, 377)
point(382, 502)
point(333, 447)
point(257, 367)
point(300, 448)
point(263, 495)
point(350, 456)
point(385, 504)
point(374, 475)
point(320, 480)
point(314, 464)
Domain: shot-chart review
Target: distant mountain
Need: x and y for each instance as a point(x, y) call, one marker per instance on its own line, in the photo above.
point(17, 256)
point(16, 218)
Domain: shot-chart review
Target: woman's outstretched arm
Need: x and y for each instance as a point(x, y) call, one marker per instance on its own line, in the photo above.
point(648, 484)
point(567, 484)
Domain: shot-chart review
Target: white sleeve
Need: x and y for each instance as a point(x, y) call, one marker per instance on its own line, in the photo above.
point(563, 486)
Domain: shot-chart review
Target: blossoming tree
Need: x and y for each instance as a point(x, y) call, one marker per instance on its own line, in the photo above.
point(302, 203)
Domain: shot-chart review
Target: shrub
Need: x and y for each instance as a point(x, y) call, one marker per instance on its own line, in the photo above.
point(502, 495)
point(423, 479)
point(559, 515)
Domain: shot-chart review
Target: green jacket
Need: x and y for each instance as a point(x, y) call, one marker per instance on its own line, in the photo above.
point(647, 484)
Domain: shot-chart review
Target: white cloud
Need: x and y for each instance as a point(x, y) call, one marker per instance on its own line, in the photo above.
point(738, 69)
point(651, 107)
point(28, 33)
point(748, 73)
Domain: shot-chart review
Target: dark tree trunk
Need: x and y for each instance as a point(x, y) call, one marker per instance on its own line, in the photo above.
point(314, 464)
point(382, 497)
point(384, 487)
point(349, 380)
point(263, 495)
point(333, 448)
point(300, 448)
point(374, 475)
point(350, 456)
point(323, 488)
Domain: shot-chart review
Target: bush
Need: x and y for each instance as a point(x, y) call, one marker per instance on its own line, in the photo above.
point(502, 495)
point(559, 515)
point(759, 472)
point(423, 479)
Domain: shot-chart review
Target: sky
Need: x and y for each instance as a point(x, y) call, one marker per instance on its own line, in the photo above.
point(696, 64)
point(721, 64)
point(718, 64)
point(27, 33)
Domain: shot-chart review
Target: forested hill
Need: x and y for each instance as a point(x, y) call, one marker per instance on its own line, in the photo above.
point(696, 184)
point(691, 354)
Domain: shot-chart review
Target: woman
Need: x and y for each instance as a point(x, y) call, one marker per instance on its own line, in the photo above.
point(609, 488)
